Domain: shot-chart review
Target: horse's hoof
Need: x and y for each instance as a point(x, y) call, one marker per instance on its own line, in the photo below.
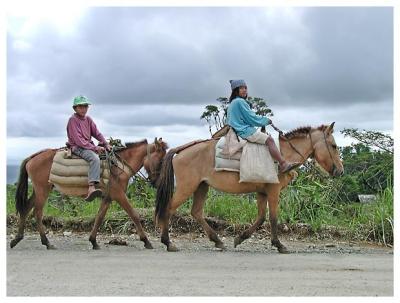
point(220, 245)
point(96, 247)
point(51, 247)
point(13, 243)
point(148, 245)
point(172, 248)
point(283, 250)
point(237, 242)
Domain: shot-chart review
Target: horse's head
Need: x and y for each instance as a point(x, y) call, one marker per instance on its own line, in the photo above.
point(325, 150)
point(155, 155)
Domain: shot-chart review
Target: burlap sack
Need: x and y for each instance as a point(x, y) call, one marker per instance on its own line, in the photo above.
point(70, 175)
point(233, 144)
point(257, 165)
point(226, 162)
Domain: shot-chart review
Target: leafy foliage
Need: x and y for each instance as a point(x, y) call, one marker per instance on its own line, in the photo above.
point(216, 115)
point(371, 138)
point(369, 163)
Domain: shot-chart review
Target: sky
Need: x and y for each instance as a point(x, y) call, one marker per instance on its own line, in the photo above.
point(149, 72)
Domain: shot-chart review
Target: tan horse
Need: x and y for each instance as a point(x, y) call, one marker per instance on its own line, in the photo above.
point(194, 173)
point(37, 168)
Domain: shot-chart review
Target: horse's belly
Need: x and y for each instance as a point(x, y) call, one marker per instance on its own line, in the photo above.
point(229, 182)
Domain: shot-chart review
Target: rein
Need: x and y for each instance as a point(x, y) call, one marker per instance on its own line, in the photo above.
point(140, 174)
point(114, 159)
point(281, 135)
point(152, 171)
point(312, 146)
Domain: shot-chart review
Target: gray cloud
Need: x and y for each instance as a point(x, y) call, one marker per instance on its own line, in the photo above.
point(353, 56)
point(158, 67)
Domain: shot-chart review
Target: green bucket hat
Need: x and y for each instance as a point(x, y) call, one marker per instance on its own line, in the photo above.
point(81, 100)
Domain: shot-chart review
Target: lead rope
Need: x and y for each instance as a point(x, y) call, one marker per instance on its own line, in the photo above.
point(288, 141)
point(112, 159)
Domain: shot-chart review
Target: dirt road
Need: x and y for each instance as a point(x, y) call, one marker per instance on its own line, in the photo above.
point(252, 269)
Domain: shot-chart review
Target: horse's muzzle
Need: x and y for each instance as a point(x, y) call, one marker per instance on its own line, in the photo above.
point(337, 172)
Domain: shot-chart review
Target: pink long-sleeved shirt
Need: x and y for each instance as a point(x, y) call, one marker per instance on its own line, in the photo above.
point(80, 132)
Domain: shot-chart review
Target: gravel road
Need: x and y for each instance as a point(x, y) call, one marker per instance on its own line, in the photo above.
point(198, 269)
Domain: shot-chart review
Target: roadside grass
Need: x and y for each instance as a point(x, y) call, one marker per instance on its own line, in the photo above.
point(310, 202)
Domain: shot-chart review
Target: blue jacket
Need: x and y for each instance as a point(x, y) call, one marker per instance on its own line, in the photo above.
point(243, 119)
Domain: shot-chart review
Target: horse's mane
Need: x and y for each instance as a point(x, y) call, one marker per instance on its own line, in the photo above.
point(133, 144)
point(164, 145)
point(302, 131)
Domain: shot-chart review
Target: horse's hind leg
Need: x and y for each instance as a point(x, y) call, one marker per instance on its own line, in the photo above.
point(123, 201)
point(105, 204)
point(40, 199)
point(182, 193)
point(199, 198)
point(22, 223)
point(262, 205)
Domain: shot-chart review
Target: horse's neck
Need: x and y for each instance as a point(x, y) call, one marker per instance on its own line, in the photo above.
point(135, 156)
point(300, 150)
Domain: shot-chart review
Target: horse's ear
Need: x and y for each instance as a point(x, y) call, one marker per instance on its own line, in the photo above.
point(330, 128)
point(160, 140)
point(156, 142)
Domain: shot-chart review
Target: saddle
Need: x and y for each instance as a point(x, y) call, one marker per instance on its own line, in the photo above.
point(253, 161)
point(69, 173)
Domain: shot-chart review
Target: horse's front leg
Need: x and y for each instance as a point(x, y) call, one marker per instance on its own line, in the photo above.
point(273, 205)
point(122, 199)
point(262, 205)
point(105, 204)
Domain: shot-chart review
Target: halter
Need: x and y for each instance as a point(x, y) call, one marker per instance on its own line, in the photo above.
point(114, 159)
point(333, 162)
point(153, 171)
point(281, 135)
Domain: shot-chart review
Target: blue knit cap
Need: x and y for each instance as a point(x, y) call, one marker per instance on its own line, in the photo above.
point(237, 83)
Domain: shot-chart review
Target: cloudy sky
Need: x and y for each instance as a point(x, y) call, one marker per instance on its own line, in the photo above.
point(150, 71)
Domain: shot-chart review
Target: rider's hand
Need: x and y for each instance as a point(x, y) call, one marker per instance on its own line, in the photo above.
point(108, 147)
point(100, 149)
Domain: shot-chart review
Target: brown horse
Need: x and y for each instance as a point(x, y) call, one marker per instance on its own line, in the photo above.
point(37, 168)
point(194, 173)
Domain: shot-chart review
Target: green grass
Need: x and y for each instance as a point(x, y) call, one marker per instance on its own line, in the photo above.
point(307, 201)
point(313, 203)
point(235, 209)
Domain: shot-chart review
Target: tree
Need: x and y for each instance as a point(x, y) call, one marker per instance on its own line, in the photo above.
point(370, 161)
point(215, 115)
point(371, 138)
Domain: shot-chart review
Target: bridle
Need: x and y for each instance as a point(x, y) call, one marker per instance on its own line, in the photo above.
point(281, 135)
point(330, 154)
point(153, 171)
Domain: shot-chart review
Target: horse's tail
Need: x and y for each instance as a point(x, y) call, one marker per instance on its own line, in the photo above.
point(165, 186)
point(21, 195)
